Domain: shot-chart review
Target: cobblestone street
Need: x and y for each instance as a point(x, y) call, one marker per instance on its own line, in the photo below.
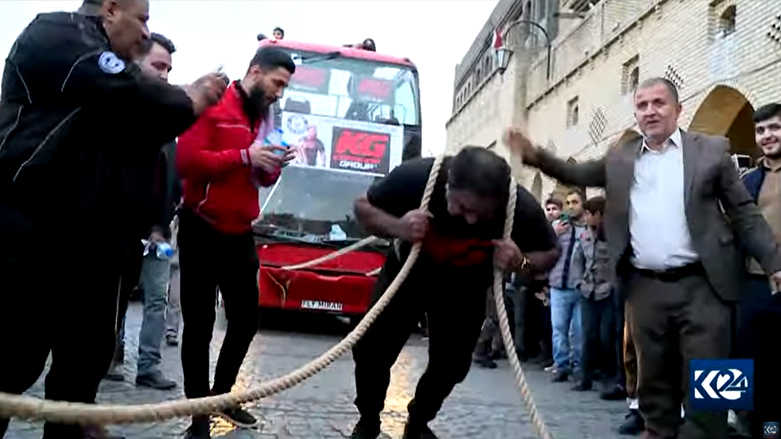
point(486, 406)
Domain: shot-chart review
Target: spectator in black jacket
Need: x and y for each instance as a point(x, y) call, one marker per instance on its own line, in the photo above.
point(75, 115)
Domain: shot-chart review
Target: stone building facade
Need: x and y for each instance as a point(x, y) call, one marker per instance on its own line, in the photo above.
point(724, 56)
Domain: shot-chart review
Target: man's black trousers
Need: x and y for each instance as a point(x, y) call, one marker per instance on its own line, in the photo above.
point(58, 298)
point(758, 328)
point(455, 306)
point(599, 347)
point(209, 259)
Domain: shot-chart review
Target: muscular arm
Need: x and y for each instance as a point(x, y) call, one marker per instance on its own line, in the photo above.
point(747, 221)
point(542, 261)
point(533, 234)
point(389, 199)
point(376, 221)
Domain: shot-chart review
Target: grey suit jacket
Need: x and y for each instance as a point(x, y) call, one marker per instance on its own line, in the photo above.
point(712, 190)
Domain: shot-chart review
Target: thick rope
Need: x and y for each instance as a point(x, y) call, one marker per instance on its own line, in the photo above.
point(30, 408)
point(504, 325)
point(330, 256)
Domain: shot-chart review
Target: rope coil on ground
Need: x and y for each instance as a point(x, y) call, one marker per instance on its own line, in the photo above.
point(31, 408)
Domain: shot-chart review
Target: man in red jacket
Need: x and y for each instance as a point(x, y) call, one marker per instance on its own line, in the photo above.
point(222, 164)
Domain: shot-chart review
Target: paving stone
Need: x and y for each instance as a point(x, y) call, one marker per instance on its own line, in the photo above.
point(487, 405)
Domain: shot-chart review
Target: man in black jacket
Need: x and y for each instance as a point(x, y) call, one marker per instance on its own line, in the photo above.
point(75, 115)
point(155, 202)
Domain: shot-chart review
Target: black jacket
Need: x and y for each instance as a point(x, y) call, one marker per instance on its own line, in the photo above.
point(76, 126)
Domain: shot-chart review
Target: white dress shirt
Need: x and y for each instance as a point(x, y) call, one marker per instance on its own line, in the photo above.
point(659, 233)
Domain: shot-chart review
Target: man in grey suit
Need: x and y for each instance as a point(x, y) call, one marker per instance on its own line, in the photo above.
point(674, 199)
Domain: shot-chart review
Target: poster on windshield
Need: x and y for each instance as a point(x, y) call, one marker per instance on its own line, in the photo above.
point(340, 144)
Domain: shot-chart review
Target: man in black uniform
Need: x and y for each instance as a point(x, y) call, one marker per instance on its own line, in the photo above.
point(74, 114)
point(461, 233)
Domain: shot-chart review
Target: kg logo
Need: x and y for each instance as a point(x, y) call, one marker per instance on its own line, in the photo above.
point(721, 384)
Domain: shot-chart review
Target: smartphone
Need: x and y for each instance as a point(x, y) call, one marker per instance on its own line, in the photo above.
point(564, 218)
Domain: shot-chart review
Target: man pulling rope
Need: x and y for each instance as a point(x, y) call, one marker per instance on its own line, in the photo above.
point(460, 233)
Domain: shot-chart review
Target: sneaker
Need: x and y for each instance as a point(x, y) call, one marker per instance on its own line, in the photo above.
point(199, 429)
point(633, 424)
point(614, 393)
point(412, 431)
point(484, 362)
point(560, 377)
point(171, 340)
point(551, 368)
point(155, 380)
point(365, 430)
point(115, 373)
point(238, 417)
point(583, 385)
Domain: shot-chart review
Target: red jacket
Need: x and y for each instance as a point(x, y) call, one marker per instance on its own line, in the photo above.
point(218, 182)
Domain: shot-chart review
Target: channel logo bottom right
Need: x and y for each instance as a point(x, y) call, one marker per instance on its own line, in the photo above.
point(770, 430)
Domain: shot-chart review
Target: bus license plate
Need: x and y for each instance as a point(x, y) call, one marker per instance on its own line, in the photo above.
point(320, 305)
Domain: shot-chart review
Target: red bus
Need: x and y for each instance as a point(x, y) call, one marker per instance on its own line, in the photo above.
point(352, 115)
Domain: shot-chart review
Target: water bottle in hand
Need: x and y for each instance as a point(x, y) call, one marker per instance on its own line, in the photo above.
point(164, 251)
point(274, 138)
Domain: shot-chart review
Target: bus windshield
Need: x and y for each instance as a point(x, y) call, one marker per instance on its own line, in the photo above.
point(331, 85)
point(313, 205)
point(345, 118)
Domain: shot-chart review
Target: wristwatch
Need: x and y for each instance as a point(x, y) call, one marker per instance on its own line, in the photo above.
point(525, 264)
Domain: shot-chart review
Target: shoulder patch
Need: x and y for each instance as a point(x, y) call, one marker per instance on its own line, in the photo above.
point(109, 62)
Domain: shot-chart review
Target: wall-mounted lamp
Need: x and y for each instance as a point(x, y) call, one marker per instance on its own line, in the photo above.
point(504, 53)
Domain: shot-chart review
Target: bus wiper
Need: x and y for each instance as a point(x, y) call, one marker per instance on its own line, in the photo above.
point(317, 58)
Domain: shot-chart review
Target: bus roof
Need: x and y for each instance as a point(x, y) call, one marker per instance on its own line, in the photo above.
point(347, 52)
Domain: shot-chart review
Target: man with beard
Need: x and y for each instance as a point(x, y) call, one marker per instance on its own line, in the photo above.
point(461, 234)
point(75, 113)
point(222, 161)
point(760, 309)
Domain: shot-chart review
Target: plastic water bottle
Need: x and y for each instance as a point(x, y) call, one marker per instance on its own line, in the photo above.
point(275, 138)
point(164, 251)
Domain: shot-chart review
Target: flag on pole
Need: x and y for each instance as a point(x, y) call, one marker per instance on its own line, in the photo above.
point(498, 39)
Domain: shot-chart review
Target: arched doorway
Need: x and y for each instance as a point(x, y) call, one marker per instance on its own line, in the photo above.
point(536, 188)
point(726, 112)
point(626, 136)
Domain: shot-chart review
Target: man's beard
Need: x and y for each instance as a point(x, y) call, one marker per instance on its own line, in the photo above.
point(259, 98)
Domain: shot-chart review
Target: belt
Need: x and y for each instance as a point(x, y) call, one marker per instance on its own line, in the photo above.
point(673, 274)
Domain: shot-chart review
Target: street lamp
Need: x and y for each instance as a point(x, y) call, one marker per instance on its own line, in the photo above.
point(504, 53)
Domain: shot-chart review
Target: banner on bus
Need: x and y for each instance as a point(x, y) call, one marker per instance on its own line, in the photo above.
point(348, 145)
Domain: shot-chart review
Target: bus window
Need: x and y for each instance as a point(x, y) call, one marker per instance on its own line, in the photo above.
point(404, 109)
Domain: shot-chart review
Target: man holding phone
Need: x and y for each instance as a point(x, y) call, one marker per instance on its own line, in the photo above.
point(223, 160)
point(564, 295)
